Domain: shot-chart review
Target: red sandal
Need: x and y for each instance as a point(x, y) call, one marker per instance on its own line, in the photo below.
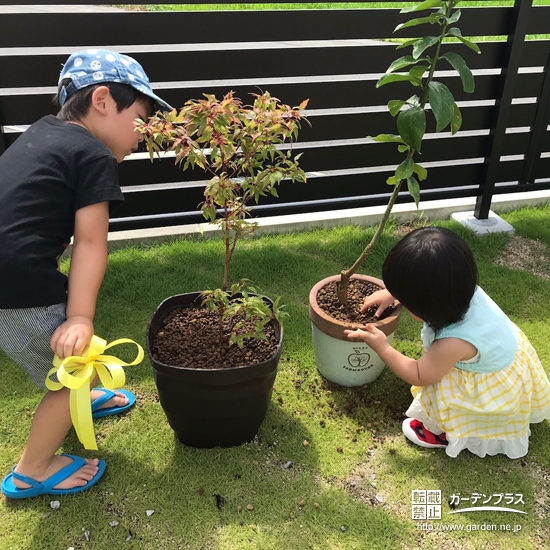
point(415, 431)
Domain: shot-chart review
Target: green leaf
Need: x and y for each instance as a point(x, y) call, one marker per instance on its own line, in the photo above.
point(472, 45)
point(387, 138)
point(418, 72)
point(420, 171)
point(391, 180)
point(431, 19)
point(393, 77)
point(414, 189)
point(426, 5)
point(404, 61)
point(395, 105)
point(458, 63)
point(414, 101)
point(405, 169)
point(454, 17)
point(423, 44)
point(411, 124)
point(442, 104)
point(407, 43)
point(456, 121)
point(455, 33)
point(403, 148)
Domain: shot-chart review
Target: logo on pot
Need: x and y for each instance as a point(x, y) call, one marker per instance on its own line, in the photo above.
point(359, 360)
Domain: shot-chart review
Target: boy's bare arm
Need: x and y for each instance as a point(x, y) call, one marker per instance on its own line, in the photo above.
point(88, 265)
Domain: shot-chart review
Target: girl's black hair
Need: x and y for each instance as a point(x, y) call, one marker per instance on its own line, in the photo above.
point(432, 272)
point(78, 104)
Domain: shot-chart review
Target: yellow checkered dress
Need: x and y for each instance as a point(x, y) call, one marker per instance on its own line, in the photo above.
point(487, 413)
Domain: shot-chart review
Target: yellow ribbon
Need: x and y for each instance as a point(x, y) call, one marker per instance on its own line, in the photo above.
point(76, 373)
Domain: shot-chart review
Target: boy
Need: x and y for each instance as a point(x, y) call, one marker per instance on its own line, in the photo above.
point(60, 179)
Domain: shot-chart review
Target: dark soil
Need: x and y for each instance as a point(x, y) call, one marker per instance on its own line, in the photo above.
point(189, 337)
point(327, 298)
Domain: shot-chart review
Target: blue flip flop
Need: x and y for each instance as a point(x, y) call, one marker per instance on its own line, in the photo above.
point(108, 394)
point(47, 487)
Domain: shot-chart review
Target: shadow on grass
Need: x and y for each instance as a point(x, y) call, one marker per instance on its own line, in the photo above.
point(148, 469)
point(468, 481)
point(268, 487)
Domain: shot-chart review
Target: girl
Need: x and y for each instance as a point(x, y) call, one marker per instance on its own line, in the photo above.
point(479, 382)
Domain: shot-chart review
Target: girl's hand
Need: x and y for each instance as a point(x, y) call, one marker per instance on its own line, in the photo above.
point(373, 336)
point(381, 298)
point(72, 337)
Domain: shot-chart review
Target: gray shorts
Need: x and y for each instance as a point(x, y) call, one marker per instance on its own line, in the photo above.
point(25, 336)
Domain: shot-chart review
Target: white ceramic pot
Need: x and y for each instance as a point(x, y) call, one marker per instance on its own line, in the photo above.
point(338, 359)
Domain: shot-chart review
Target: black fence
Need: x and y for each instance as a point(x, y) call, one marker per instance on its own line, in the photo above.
point(334, 58)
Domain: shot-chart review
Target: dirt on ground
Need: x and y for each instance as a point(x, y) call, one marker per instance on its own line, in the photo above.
point(526, 255)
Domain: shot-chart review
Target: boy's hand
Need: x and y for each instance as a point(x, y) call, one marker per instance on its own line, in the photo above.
point(373, 336)
point(381, 298)
point(72, 337)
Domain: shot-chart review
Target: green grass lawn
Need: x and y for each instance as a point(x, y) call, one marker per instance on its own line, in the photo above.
point(336, 6)
point(319, 5)
point(352, 471)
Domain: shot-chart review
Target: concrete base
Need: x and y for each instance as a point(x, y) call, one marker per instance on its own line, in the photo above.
point(493, 224)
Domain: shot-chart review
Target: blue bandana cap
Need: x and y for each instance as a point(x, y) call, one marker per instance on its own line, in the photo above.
point(94, 66)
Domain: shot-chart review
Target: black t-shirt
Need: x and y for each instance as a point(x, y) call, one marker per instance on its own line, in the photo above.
point(52, 170)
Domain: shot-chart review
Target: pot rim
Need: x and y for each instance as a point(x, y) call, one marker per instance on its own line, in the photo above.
point(320, 317)
point(194, 295)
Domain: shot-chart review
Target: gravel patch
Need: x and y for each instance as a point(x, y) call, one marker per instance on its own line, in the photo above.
point(526, 255)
